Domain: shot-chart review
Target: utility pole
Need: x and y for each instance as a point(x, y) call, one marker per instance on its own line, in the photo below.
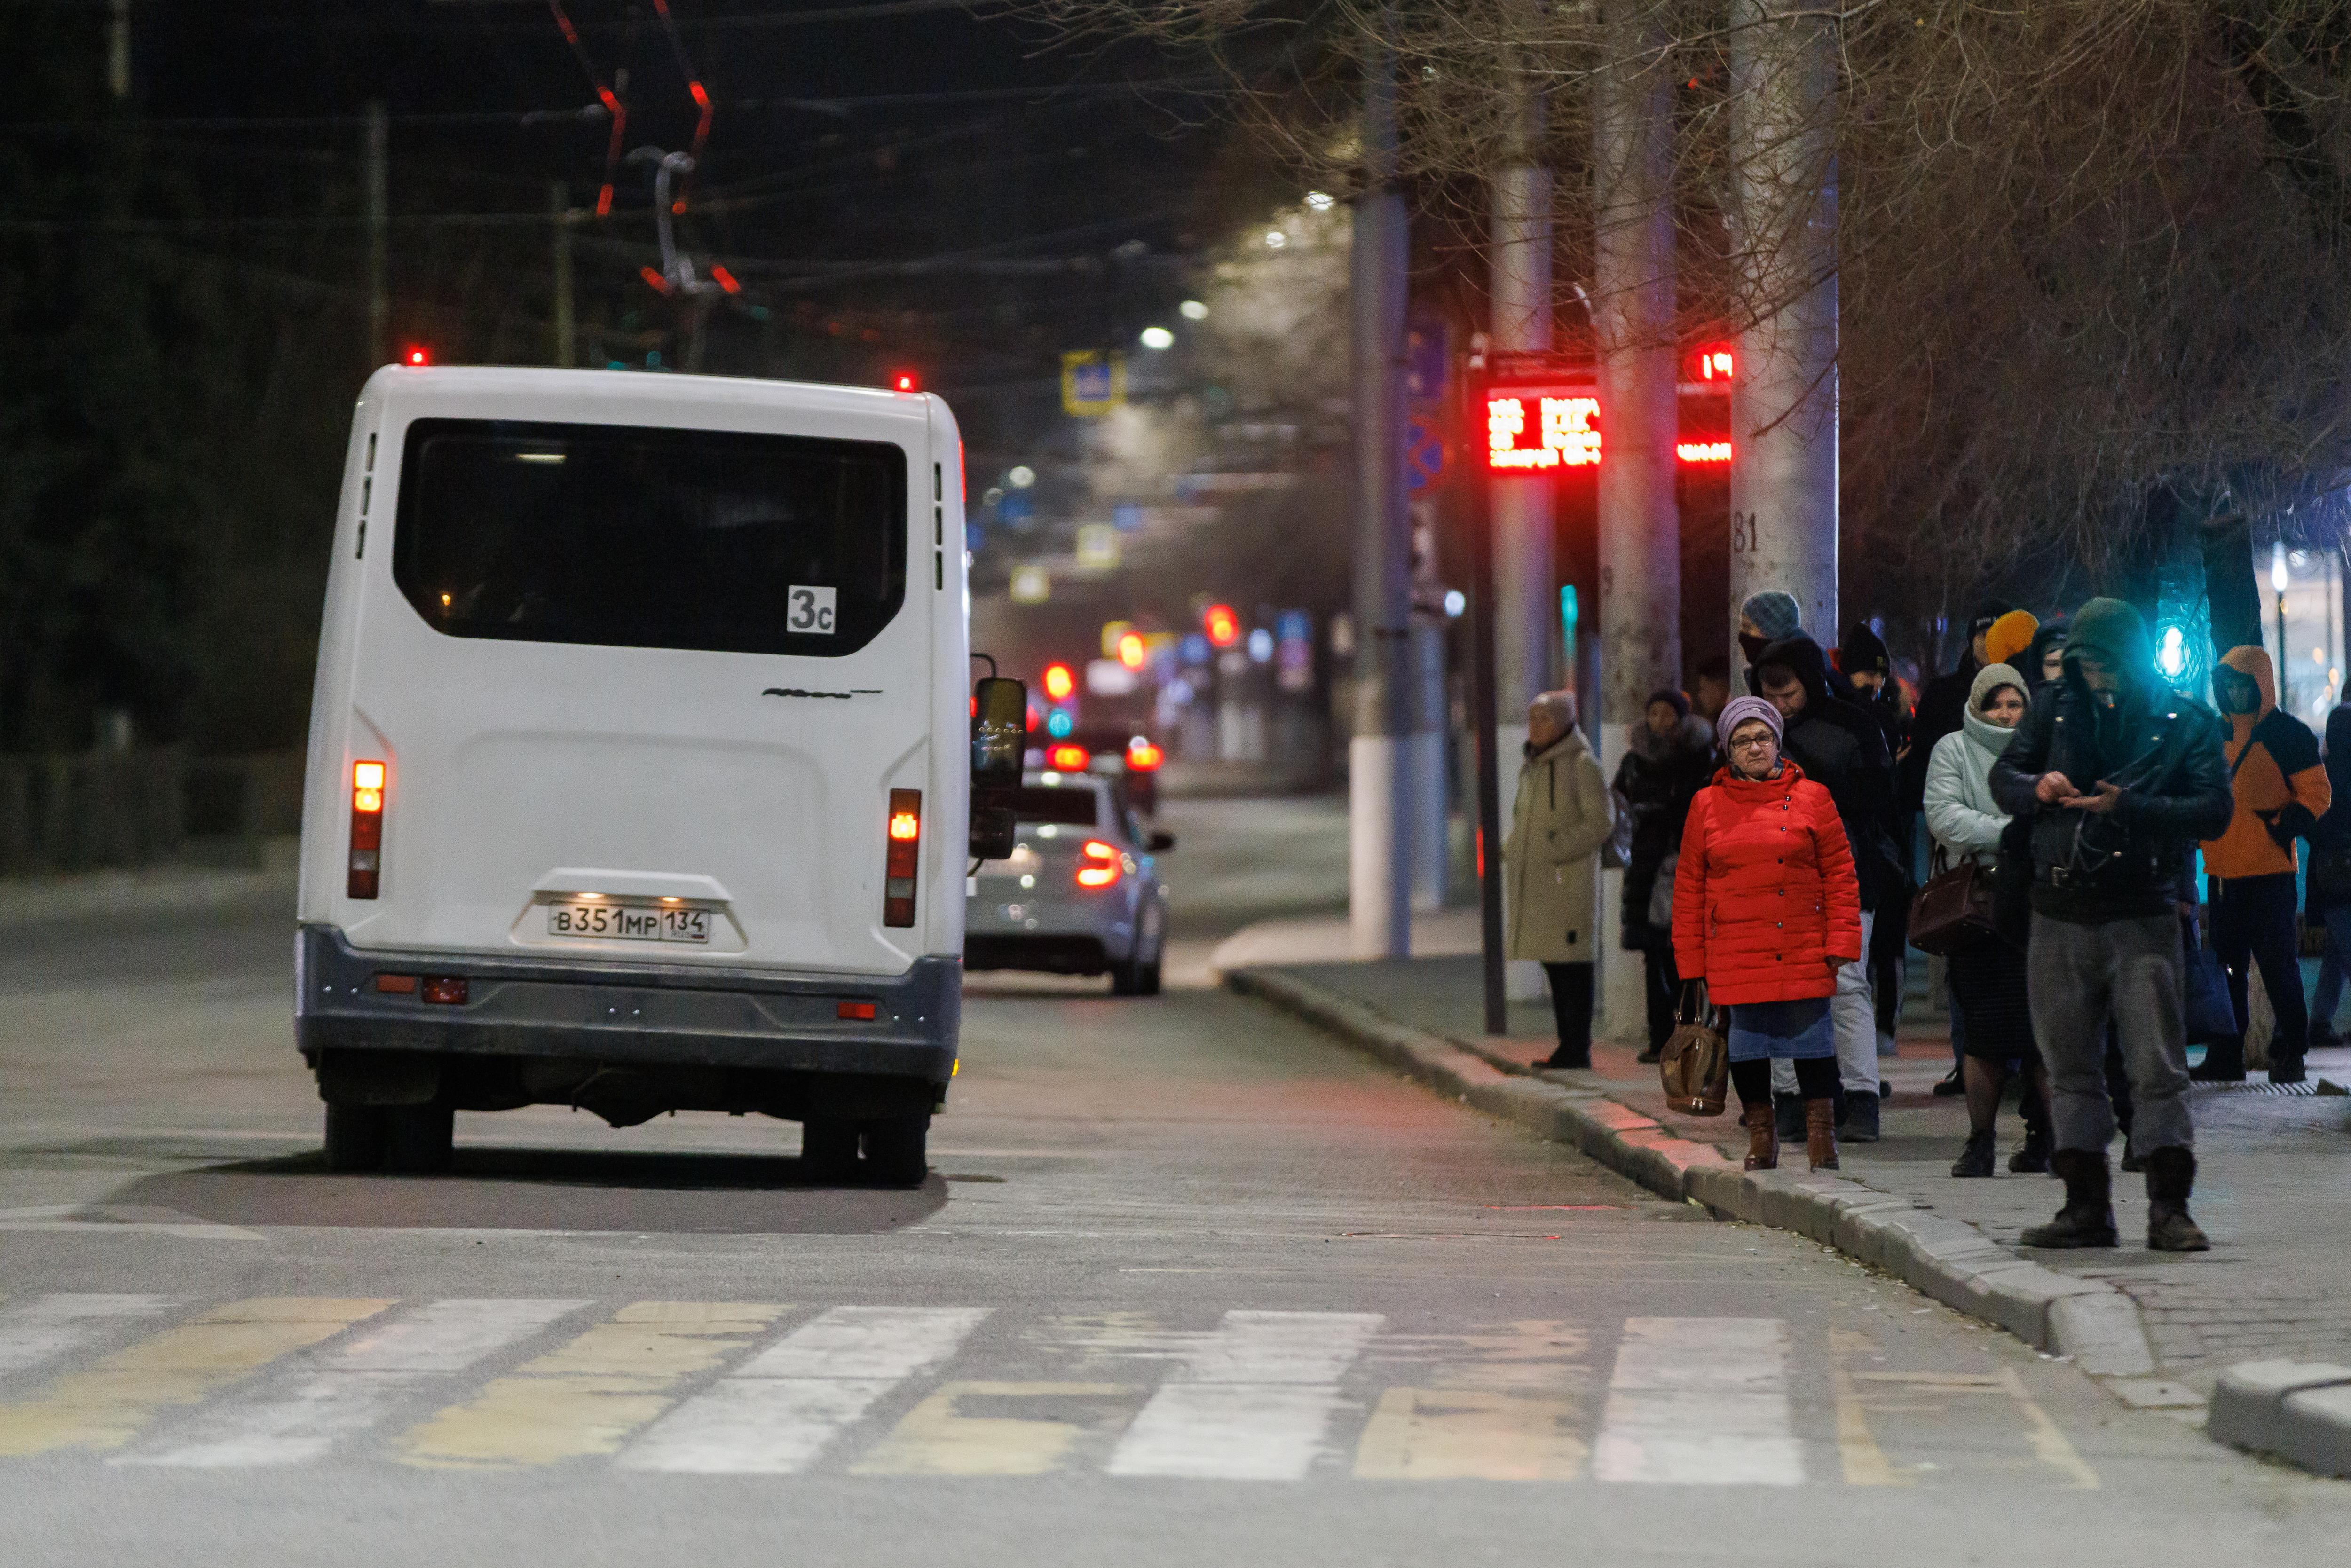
point(1478, 489)
point(567, 347)
point(379, 225)
point(1526, 608)
point(1783, 400)
point(1640, 521)
point(1379, 788)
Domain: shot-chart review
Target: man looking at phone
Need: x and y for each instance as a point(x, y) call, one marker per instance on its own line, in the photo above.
point(2120, 779)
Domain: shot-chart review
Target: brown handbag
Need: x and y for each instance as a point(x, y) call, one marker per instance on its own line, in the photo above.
point(1955, 905)
point(1695, 1067)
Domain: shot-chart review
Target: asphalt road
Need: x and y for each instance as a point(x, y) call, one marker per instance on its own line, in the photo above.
point(1190, 1284)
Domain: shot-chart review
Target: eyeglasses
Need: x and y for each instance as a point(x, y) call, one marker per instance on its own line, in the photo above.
point(1753, 742)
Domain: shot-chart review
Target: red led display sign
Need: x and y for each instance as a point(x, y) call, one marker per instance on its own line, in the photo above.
point(1539, 431)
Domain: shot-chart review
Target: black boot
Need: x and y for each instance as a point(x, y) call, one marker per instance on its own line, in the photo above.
point(2033, 1157)
point(2088, 1217)
point(1975, 1160)
point(2224, 1062)
point(2170, 1176)
point(2286, 1069)
point(1787, 1112)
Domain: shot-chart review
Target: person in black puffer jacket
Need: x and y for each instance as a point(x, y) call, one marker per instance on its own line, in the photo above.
point(1669, 758)
point(1841, 748)
point(2120, 778)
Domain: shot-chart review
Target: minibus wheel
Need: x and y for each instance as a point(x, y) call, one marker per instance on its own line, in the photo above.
point(828, 1151)
point(1136, 978)
point(357, 1137)
point(420, 1142)
point(897, 1151)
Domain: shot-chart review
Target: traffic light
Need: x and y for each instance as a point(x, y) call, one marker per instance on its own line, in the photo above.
point(1223, 627)
point(1059, 682)
point(1132, 652)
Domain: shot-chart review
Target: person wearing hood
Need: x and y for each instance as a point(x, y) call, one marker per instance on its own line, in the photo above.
point(2119, 778)
point(1840, 747)
point(2044, 661)
point(2329, 880)
point(2281, 790)
point(1768, 915)
point(1863, 657)
point(1942, 701)
point(1987, 974)
point(1669, 758)
point(1561, 817)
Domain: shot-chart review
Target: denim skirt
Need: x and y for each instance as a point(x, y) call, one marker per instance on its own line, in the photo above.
point(1797, 1030)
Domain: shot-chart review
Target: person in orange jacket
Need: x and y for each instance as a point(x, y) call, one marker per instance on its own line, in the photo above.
point(2280, 788)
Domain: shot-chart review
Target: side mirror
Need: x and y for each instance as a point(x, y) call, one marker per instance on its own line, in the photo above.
point(995, 832)
point(1159, 842)
point(999, 733)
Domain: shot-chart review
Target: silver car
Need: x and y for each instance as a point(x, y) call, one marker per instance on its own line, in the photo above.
point(1079, 894)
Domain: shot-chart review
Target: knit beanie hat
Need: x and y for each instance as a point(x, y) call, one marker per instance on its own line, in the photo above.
point(2010, 635)
point(1774, 613)
point(1863, 652)
point(1671, 698)
point(1739, 710)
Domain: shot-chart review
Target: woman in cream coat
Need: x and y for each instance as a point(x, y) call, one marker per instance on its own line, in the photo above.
point(1986, 974)
point(1561, 818)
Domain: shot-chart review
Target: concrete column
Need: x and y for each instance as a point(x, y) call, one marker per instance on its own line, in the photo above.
point(1431, 793)
point(1527, 641)
point(1783, 401)
point(1379, 789)
point(1640, 522)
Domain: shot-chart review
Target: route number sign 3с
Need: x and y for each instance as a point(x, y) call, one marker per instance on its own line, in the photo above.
point(810, 609)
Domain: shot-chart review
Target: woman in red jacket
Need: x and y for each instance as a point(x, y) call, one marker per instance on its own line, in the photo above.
point(1766, 907)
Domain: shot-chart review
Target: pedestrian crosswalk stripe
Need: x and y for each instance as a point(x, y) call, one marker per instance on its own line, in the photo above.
point(116, 1400)
point(592, 1395)
point(50, 1328)
point(970, 1428)
point(1701, 1401)
point(1253, 1401)
point(778, 1412)
point(350, 1387)
point(1470, 1434)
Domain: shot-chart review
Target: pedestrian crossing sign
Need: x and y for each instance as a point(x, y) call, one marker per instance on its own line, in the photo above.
point(1093, 383)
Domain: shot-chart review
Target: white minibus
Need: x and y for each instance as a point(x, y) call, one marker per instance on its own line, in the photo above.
point(640, 760)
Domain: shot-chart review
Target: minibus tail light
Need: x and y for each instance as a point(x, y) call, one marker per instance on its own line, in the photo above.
point(366, 830)
point(905, 855)
point(1098, 864)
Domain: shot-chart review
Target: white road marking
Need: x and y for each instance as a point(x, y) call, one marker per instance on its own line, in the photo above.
point(1253, 1401)
point(300, 1418)
point(777, 1413)
point(121, 1220)
point(1702, 1401)
point(49, 1328)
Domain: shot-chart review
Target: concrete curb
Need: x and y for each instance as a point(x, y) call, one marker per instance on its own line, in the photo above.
point(122, 894)
point(2299, 1411)
point(1948, 1260)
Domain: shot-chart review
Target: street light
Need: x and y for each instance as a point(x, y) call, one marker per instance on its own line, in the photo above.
point(1158, 337)
point(1320, 200)
point(1193, 311)
point(1021, 477)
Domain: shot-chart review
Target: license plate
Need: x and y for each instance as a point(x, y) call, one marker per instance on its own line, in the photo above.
point(628, 922)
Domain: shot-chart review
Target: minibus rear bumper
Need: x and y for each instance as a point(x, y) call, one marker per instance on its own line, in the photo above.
point(641, 1016)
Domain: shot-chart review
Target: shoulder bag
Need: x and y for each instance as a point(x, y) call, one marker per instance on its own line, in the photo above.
point(1955, 905)
point(1695, 1067)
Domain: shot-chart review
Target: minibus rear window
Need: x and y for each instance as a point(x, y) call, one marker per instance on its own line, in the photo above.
point(640, 536)
point(1044, 803)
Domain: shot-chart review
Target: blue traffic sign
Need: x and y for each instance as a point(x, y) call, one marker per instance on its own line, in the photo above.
point(1423, 455)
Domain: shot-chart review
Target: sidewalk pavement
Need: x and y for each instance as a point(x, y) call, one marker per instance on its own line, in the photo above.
point(2161, 1328)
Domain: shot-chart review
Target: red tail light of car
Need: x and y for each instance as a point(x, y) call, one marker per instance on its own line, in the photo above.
point(365, 875)
point(903, 857)
point(1098, 864)
point(1142, 756)
point(1068, 758)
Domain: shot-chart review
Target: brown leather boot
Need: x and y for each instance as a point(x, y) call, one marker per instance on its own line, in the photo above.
point(1820, 1133)
point(1762, 1137)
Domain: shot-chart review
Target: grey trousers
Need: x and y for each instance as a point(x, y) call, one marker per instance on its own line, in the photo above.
point(1855, 1017)
point(2130, 970)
